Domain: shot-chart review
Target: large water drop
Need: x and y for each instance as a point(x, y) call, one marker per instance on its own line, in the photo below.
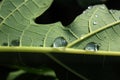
point(92, 46)
point(60, 42)
point(15, 42)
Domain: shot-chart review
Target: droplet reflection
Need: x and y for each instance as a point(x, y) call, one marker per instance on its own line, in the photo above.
point(94, 23)
point(59, 42)
point(89, 7)
point(92, 46)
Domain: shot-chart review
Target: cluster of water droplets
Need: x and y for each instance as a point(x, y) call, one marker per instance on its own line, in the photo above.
point(61, 42)
point(92, 46)
point(95, 22)
point(96, 16)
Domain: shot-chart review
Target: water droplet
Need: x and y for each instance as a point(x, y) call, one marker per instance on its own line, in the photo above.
point(89, 7)
point(59, 42)
point(81, 37)
point(5, 44)
point(15, 43)
point(92, 46)
point(84, 12)
point(41, 45)
point(94, 23)
point(96, 15)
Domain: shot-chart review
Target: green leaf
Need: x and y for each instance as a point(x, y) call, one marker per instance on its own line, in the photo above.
point(17, 22)
point(17, 28)
point(13, 75)
point(19, 32)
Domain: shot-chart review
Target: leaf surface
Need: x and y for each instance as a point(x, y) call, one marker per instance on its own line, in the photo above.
point(97, 24)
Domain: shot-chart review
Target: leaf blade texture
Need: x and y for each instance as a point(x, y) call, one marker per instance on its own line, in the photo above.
point(17, 27)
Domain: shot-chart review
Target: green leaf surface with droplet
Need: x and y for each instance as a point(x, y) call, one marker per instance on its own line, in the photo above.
point(17, 27)
point(99, 25)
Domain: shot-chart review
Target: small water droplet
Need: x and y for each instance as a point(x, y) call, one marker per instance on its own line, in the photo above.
point(94, 23)
point(84, 12)
point(41, 45)
point(81, 37)
point(15, 43)
point(5, 44)
point(92, 46)
point(89, 7)
point(59, 42)
point(96, 15)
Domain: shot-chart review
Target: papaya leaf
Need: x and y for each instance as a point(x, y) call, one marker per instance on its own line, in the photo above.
point(96, 30)
point(96, 25)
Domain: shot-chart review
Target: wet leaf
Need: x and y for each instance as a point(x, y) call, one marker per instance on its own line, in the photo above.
point(97, 24)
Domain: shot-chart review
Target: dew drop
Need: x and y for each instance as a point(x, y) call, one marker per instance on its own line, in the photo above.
point(5, 44)
point(15, 43)
point(92, 46)
point(84, 12)
point(94, 23)
point(89, 7)
point(59, 42)
point(82, 37)
point(41, 45)
point(96, 15)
